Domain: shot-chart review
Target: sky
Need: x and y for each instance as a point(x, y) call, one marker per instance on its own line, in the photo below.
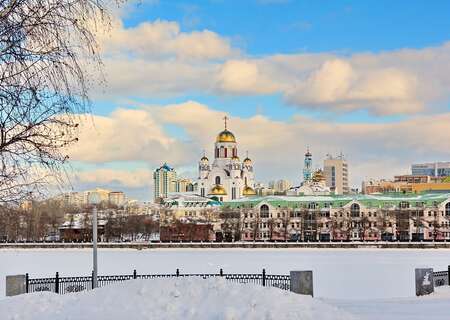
point(370, 79)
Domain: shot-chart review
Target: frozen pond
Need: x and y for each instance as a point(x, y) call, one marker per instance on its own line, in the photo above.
point(338, 273)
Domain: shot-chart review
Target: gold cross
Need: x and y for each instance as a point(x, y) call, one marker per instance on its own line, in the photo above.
point(225, 120)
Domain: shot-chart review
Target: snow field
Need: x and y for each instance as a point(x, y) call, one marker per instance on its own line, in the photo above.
point(338, 273)
point(182, 298)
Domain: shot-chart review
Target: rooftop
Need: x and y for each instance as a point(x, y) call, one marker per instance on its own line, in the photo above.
point(372, 200)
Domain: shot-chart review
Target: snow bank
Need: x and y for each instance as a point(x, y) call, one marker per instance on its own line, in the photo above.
point(435, 306)
point(187, 298)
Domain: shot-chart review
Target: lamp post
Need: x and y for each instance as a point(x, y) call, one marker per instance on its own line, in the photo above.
point(94, 199)
point(94, 246)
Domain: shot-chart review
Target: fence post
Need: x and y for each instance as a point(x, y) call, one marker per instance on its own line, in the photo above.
point(264, 277)
point(424, 281)
point(27, 279)
point(178, 272)
point(15, 285)
point(301, 282)
point(57, 282)
point(134, 274)
point(221, 272)
point(92, 279)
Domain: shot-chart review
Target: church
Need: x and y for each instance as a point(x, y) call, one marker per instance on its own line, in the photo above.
point(226, 178)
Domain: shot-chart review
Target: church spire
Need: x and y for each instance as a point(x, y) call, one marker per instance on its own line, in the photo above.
point(225, 121)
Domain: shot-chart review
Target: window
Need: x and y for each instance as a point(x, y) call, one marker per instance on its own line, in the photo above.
point(447, 209)
point(355, 209)
point(217, 180)
point(264, 211)
point(312, 205)
point(404, 205)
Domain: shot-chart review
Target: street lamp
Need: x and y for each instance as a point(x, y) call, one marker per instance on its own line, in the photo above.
point(94, 201)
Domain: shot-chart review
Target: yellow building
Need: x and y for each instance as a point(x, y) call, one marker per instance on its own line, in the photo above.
point(421, 187)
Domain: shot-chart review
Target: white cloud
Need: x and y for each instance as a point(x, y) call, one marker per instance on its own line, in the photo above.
point(163, 39)
point(125, 178)
point(338, 85)
point(244, 77)
point(126, 135)
point(158, 59)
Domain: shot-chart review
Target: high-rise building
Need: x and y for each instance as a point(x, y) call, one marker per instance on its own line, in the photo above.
point(164, 181)
point(116, 198)
point(307, 167)
point(97, 195)
point(336, 174)
point(281, 186)
point(433, 169)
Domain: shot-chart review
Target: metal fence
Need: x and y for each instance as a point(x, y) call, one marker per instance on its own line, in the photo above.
point(64, 285)
point(441, 278)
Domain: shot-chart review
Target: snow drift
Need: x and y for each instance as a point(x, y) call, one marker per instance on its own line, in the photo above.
point(181, 298)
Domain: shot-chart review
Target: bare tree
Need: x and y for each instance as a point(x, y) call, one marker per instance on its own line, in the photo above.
point(49, 59)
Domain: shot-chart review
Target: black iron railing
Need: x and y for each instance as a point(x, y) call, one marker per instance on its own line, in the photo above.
point(64, 285)
point(441, 278)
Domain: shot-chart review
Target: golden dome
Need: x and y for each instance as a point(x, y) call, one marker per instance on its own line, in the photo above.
point(225, 136)
point(318, 176)
point(218, 190)
point(235, 158)
point(247, 160)
point(248, 191)
point(204, 158)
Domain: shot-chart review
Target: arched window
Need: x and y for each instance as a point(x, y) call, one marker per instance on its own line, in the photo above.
point(447, 209)
point(354, 210)
point(404, 205)
point(221, 152)
point(264, 211)
point(217, 180)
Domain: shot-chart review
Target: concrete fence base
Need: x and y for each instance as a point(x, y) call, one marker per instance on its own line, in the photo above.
point(424, 281)
point(302, 282)
point(15, 285)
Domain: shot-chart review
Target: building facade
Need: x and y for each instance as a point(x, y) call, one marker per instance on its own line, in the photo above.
point(344, 218)
point(117, 198)
point(336, 174)
point(226, 178)
point(433, 169)
point(164, 181)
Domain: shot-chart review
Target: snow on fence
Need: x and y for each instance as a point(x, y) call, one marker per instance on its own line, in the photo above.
point(441, 278)
point(427, 280)
point(64, 285)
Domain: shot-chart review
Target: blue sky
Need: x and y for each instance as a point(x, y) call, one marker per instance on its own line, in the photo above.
point(328, 74)
point(289, 27)
point(263, 27)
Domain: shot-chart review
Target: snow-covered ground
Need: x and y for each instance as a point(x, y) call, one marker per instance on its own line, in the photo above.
point(433, 307)
point(190, 298)
point(171, 299)
point(338, 273)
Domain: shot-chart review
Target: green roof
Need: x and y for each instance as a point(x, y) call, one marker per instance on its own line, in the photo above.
point(335, 201)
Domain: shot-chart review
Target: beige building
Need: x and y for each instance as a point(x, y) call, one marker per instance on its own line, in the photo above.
point(282, 186)
point(97, 195)
point(117, 198)
point(336, 174)
point(184, 185)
